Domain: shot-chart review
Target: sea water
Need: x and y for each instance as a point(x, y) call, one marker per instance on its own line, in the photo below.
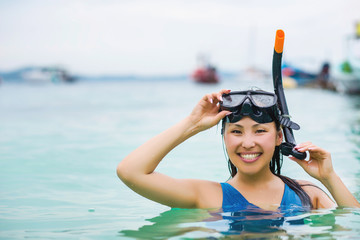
point(60, 145)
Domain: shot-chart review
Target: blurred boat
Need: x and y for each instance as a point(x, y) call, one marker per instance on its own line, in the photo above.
point(253, 72)
point(289, 82)
point(294, 77)
point(346, 76)
point(301, 76)
point(46, 75)
point(206, 74)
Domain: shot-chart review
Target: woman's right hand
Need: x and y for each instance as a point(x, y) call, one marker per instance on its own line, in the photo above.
point(206, 113)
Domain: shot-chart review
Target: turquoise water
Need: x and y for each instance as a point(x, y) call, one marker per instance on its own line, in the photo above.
point(60, 145)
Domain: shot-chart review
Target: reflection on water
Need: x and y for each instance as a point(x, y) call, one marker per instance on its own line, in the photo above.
point(249, 223)
point(175, 222)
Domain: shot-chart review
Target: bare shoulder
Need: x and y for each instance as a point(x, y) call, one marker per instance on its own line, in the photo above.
point(209, 193)
point(319, 198)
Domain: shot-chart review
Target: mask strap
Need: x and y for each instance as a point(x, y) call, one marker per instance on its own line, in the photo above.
point(223, 122)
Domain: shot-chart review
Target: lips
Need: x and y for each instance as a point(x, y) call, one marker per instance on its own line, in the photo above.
point(249, 157)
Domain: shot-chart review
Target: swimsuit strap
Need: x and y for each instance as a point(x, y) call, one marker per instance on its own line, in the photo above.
point(290, 198)
point(232, 197)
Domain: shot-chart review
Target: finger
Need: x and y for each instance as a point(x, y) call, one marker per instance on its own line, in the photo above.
point(213, 98)
point(303, 147)
point(223, 91)
point(300, 145)
point(221, 115)
point(310, 148)
point(208, 98)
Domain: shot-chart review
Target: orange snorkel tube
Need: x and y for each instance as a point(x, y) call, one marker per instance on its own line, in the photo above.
point(279, 41)
point(287, 147)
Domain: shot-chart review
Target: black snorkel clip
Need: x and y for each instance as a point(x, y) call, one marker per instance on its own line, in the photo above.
point(287, 147)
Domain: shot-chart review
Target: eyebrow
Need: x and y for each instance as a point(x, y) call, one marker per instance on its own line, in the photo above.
point(241, 126)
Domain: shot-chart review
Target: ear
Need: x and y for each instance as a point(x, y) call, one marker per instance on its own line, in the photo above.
point(279, 137)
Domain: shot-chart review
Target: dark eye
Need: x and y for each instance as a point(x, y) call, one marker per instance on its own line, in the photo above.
point(236, 131)
point(260, 131)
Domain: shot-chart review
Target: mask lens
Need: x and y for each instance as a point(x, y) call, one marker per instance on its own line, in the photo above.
point(233, 100)
point(263, 100)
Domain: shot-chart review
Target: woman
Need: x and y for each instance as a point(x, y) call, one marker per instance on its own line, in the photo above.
point(252, 135)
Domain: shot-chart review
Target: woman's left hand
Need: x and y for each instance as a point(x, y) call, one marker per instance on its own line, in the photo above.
point(319, 164)
point(320, 167)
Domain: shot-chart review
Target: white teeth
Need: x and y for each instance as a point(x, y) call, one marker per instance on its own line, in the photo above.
point(250, 156)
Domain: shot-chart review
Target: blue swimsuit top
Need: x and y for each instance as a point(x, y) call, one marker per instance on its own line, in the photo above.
point(233, 200)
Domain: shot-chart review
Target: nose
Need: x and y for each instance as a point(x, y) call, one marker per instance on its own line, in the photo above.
point(248, 141)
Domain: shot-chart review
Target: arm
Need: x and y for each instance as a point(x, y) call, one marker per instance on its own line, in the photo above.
point(320, 167)
point(137, 169)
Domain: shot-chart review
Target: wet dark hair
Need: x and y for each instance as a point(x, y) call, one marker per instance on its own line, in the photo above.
point(275, 168)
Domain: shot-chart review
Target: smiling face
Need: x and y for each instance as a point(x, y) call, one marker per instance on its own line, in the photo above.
point(250, 145)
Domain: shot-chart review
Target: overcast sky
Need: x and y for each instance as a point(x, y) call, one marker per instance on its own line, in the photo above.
point(165, 36)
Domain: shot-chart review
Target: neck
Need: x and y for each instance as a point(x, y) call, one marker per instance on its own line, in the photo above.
point(259, 179)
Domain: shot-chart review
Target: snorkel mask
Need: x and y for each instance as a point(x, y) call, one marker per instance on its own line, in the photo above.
point(259, 105)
